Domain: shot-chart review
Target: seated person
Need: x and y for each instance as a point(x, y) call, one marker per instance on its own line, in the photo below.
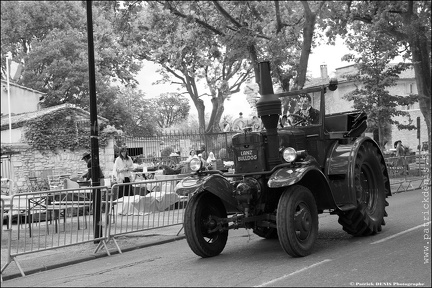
point(173, 166)
point(308, 114)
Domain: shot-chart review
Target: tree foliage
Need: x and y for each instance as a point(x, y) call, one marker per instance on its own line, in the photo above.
point(218, 43)
point(406, 24)
point(171, 108)
point(189, 54)
point(221, 42)
point(133, 113)
point(374, 75)
point(50, 38)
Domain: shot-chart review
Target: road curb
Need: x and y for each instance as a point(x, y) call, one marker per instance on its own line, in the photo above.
point(90, 257)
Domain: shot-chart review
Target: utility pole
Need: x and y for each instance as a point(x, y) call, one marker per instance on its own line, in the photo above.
point(8, 60)
point(94, 138)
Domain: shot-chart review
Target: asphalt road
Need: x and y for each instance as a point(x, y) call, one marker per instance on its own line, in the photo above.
point(398, 256)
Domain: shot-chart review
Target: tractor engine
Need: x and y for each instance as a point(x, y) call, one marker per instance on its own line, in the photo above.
point(247, 192)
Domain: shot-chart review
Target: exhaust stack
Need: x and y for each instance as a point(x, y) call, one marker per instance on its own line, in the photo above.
point(269, 108)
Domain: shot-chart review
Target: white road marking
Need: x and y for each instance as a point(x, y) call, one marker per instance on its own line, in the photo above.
point(402, 232)
point(293, 273)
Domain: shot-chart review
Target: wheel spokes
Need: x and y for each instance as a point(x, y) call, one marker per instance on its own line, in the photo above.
point(367, 185)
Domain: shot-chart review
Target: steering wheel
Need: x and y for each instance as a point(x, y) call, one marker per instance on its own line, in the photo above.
point(300, 117)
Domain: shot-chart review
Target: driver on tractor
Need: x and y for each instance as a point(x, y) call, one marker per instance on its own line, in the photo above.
point(306, 115)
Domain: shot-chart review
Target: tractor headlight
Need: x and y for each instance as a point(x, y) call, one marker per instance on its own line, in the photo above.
point(195, 164)
point(289, 154)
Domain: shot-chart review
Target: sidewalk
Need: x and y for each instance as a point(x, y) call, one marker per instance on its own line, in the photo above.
point(51, 259)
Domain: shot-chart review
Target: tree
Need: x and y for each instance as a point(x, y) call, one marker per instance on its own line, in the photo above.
point(171, 108)
point(374, 75)
point(230, 34)
point(188, 54)
point(406, 22)
point(277, 32)
point(133, 113)
point(50, 38)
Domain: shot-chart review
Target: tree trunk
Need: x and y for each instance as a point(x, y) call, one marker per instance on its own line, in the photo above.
point(308, 30)
point(380, 137)
point(421, 62)
point(216, 115)
point(306, 49)
point(254, 60)
point(199, 104)
point(418, 42)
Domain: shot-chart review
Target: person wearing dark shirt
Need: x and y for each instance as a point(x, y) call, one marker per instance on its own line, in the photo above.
point(88, 176)
point(309, 114)
point(400, 153)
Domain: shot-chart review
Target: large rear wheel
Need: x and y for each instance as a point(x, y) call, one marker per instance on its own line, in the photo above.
point(370, 183)
point(202, 216)
point(297, 221)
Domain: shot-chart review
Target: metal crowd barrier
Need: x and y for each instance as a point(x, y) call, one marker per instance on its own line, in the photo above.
point(2, 208)
point(408, 172)
point(40, 221)
point(2, 204)
point(144, 205)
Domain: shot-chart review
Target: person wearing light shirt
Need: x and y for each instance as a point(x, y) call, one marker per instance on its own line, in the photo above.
point(123, 166)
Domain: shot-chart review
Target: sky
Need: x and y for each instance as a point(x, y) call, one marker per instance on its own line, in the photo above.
point(325, 54)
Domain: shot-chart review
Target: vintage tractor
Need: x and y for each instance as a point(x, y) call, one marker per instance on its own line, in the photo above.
point(285, 177)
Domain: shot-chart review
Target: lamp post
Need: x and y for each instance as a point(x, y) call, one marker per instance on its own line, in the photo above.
point(94, 138)
point(8, 59)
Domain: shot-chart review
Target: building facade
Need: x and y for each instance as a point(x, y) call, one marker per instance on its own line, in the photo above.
point(23, 99)
point(20, 162)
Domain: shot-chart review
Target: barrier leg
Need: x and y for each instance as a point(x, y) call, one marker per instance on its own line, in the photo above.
point(103, 242)
point(180, 230)
point(85, 216)
point(108, 233)
point(118, 248)
point(9, 258)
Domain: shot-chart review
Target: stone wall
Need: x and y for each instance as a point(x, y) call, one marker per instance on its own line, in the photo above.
point(32, 163)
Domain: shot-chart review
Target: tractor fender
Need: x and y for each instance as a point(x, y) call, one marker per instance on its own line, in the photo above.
point(309, 176)
point(340, 166)
point(215, 183)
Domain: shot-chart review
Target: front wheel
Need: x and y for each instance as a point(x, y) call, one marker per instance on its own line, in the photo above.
point(202, 217)
point(297, 221)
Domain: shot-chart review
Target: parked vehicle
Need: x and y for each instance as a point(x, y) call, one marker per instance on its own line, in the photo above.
point(285, 177)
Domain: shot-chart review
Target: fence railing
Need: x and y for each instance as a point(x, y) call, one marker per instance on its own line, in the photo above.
point(408, 172)
point(34, 220)
point(45, 220)
point(145, 205)
point(151, 149)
